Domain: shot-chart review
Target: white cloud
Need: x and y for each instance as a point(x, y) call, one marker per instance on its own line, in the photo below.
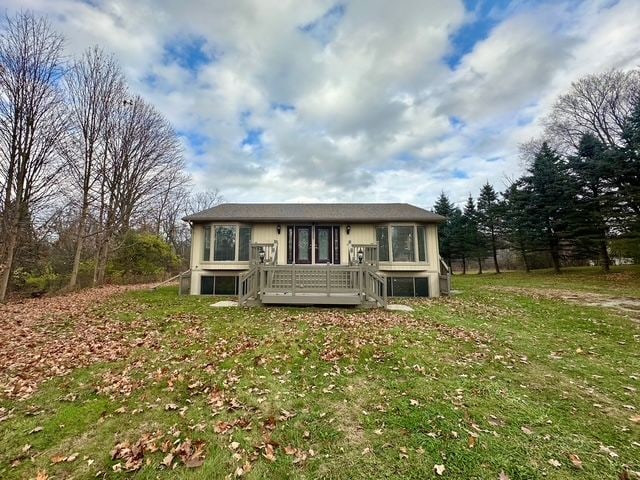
point(361, 108)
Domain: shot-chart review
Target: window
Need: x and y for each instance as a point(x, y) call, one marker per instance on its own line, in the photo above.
point(407, 287)
point(398, 243)
point(244, 244)
point(219, 285)
point(206, 254)
point(225, 243)
point(382, 237)
point(230, 243)
point(422, 244)
point(402, 243)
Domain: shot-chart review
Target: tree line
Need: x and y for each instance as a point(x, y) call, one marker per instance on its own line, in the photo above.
point(86, 165)
point(578, 199)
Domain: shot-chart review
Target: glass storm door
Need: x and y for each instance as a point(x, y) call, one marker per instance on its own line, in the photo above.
point(324, 245)
point(302, 244)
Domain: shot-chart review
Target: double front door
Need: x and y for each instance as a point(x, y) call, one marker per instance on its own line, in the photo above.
point(307, 244)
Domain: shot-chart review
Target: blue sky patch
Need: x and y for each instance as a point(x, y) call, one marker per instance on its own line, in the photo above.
point(188, 52)
point(460, 174)
point(253, 138)
point(197, 141)
point(323, 29)
point(486, 16)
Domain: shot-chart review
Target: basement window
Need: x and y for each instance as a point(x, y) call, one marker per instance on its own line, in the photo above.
point(219, 285)
point(407, 287)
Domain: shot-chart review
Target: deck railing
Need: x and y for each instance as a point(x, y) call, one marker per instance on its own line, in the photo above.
point(266, 253)
point(313, 281)
point(296, 279)
point(364, 254)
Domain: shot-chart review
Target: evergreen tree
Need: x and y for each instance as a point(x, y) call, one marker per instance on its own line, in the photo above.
point(590, 169)
point(444, 207)
point(627, 175)
point(458, 244)
point(473, 239)
point(517, 222)
point(490, 219)
point(552, 196)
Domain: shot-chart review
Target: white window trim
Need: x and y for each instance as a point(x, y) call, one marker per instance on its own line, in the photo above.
point(212, 245)
point(415, 226)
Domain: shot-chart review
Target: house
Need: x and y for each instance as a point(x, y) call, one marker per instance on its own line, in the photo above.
point(342, 254)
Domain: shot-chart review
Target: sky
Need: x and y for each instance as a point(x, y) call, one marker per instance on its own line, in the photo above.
point(352, 101)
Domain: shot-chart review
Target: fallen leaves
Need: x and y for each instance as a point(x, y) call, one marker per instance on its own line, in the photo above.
point(190, 453)
point(48, 337)
point(439, 469)
point(575, 461)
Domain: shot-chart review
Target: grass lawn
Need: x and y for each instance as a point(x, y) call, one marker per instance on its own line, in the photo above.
point(500, 381)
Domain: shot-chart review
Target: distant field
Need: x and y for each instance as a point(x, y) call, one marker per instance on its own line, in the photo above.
point(516, 377)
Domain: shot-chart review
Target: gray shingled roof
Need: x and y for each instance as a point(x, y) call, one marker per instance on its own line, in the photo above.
point(315, 212)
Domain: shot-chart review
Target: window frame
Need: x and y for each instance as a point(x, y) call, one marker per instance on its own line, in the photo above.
point(212, 242)
point(416, 243)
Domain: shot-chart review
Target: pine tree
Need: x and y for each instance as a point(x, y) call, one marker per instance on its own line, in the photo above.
point(444, 207)
point(552, 196)
point(490, 219)
point(473, 239)
point(521, 229)
point(458, 244)
point(590, 169)
point(627, 175)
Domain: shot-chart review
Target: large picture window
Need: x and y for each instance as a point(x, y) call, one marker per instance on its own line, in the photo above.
point(225, 243)
point(230, 243)
point(402, 243)
point(402, 247)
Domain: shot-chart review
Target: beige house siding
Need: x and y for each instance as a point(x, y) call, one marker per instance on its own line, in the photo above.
point(359, 234)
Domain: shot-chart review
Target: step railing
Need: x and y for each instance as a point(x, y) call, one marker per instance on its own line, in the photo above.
point(375, 286)
point(444, 278)
point(248, 285)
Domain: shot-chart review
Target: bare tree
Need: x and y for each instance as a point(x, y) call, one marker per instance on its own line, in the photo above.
point(142, 159)
point(32, 124)
point(203, 200)
point(94, 85)
point(597, 104)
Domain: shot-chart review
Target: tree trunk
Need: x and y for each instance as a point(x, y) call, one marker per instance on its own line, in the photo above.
point(79, 244)
point(555, 255)
point(606, 261)
point(12, 243)
point(464, 265)
point(479, 266)
point(495, 251)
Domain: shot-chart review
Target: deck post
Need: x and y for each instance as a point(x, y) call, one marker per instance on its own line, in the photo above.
point(328, 283)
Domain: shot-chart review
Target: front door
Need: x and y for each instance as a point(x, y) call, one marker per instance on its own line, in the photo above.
point(302, 246)
point(324, 245)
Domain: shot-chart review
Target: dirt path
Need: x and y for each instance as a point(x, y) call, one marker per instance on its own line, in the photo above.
point(47, 337)
point(629, 307)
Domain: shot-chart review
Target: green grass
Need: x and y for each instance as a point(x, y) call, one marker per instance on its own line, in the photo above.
point(374, 395)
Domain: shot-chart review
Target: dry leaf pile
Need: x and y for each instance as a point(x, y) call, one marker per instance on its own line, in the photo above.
point(48, 337)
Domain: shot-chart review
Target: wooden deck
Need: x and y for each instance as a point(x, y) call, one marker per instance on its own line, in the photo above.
point(355, 284)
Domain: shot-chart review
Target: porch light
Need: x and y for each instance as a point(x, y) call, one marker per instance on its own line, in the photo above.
point(348, 229)
point(278, 228)
point(360, 255)
point(261, 254)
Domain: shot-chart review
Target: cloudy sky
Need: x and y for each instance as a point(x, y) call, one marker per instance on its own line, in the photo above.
point(363, 100)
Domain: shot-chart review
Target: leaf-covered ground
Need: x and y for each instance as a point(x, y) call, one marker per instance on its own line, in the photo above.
point(505, 380)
